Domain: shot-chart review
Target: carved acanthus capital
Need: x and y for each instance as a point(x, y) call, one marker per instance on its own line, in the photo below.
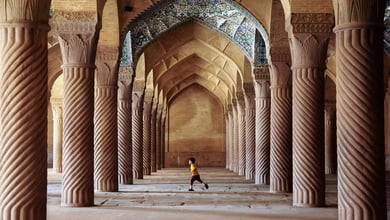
point(280, 75)
point(261, 73)
point(77, 35)
point(138, 94)
point(240, 99)
point(148, 96)
point(359, 12)
point(25, 10)
point(125, 80)
point(249, 90)
point(312, 22)
point(309, 50)
point(107, 66)
point(57, 107)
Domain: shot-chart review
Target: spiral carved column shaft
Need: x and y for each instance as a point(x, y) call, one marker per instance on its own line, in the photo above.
point(57, 108)
point(125, 153)
point(137, 130)
point(158, 139)
point(235, 137)
point(227, 137)
point(78, 50)
point(281, 122)
point(241, 135)
point(309, 54)
point(263, 105)
point(147, 134)
point(250, 116)
point(231, 139)
point(106, 122)
point(78, 137)
point(361, 174)
point(330, 138)
point(153, 140)
point(163, 140)
point(23, 115)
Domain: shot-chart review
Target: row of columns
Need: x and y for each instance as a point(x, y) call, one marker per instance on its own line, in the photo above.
point(302, 145)
point(359, 84)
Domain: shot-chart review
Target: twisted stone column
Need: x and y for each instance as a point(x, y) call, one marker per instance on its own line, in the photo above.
point(153, 125)
point(125, 152)
point(330, 138)
point(309, 55)
point(57, 108)
point(158, 137)
point(23, 109)
point(241, 133)
point(263, 105)
point(148, 103)
point(231, 137)
point(106, 120)
point(78, 34)
point(137, 130)
point(281, 121)
point(235, 136)
point(359, 45)
point(163, 120)
point(250, 130)
point(227, 139)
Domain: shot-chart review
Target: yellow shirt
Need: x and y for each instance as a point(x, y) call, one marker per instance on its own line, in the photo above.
point(194, 171)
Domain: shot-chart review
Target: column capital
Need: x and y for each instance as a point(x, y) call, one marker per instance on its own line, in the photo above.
point(249, 90)
point(280, 54)
point(262, 81)
point(240, 99)
point(309, 50)
point(125, 80)
point(107, 66)
point(69, 22)
point(138, 95)
point(261, 73)
point(312, 22)
point(77, 35)
point(347, 12)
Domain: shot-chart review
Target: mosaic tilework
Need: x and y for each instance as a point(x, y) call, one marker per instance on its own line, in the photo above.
point(260, 55)
point(223, 16)
point(387, 30)
point(126, 58)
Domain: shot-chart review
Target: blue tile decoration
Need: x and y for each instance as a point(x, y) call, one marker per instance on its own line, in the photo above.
point(386, 38)
point(224, 16)
point(260, 56)
point(126, 57)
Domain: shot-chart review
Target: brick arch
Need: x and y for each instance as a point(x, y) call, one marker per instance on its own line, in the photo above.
point(223, 16)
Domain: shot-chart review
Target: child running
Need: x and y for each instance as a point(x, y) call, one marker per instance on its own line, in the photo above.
point(195, 174)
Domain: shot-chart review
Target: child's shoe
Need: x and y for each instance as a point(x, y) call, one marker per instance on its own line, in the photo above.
point(190, 189)
point(207, 186)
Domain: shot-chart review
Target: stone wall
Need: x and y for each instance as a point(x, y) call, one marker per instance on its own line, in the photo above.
point(196, 127)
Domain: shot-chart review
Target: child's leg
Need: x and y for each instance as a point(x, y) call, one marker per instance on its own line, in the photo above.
point(192, 183)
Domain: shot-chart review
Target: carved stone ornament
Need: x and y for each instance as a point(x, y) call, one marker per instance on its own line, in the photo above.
point(74, 21)
point(261, 73)
point(249, 89)
point(312, 22)
point(280, 54)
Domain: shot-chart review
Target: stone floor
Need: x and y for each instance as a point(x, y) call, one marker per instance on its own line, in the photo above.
point(164, 195)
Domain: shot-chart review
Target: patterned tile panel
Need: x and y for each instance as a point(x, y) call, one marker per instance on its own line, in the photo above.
point(223, 16)
point(387, 25)
point(126, 58)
